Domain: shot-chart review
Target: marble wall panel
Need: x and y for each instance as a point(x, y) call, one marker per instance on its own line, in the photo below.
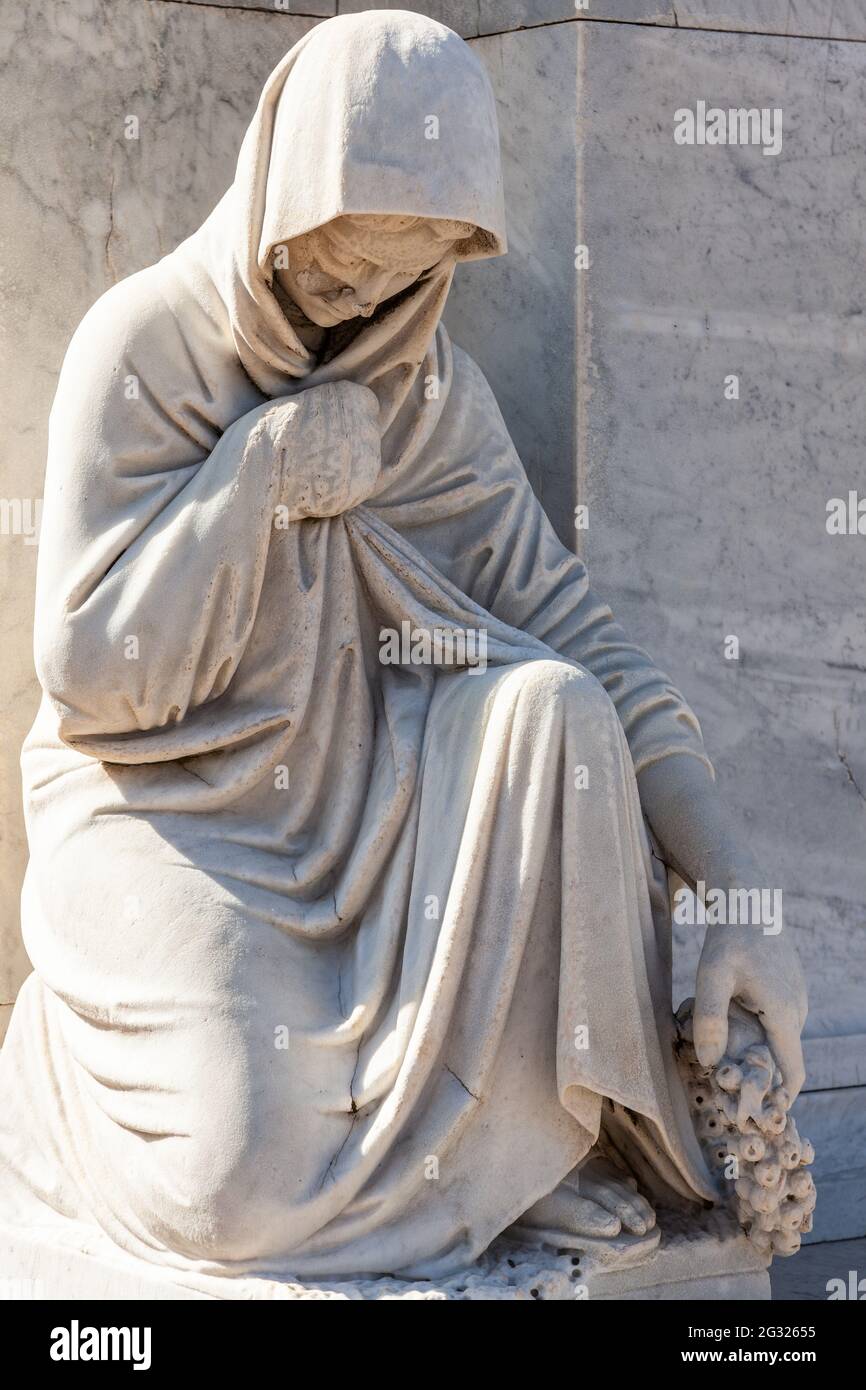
point(321, 8)
point(838, 19)
point(459, 15)
point(708, 515)
point(497, 15)
point(835, 1122)
point(517, 315)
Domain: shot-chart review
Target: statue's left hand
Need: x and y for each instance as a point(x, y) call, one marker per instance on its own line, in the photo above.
point(705, 842)
point(762, 973)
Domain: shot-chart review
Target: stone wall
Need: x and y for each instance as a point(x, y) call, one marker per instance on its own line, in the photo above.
point(706, 514)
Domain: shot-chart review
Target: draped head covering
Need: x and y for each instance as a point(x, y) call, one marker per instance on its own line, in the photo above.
point(385, 112)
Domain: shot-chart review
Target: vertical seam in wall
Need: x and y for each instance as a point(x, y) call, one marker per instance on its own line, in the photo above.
point(582, 318)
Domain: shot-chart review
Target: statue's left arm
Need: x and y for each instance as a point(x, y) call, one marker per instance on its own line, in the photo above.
point(474, 513)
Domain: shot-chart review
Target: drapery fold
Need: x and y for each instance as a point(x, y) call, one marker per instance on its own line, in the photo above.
point(246, 830)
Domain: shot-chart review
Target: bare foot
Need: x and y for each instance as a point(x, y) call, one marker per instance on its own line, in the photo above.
point(592, 1208)
point(605, 1186)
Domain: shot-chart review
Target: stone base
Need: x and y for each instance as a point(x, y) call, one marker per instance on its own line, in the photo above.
point(708, 1261)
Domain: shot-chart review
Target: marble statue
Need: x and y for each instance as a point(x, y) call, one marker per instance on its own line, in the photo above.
point(345, 966)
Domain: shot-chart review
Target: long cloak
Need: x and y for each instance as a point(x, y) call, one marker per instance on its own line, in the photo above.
point(334, 961)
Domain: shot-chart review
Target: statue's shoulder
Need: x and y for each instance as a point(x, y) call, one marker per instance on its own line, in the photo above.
point(154, 325)
point(132, 314)
point(469, 386)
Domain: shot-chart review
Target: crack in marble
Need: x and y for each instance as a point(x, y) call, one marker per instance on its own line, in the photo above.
point(674, 23)
point(250, 9)
point(461, 1083)
point(840, 754)
point(109, 264)
point(352, 1118)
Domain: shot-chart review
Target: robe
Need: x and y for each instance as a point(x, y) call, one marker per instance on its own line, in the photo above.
point(335, 960)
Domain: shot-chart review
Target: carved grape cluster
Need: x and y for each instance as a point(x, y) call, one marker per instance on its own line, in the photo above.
point(741, 1110)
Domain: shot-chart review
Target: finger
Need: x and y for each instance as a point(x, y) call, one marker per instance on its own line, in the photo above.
point(712, 1001)
point(787, 1049)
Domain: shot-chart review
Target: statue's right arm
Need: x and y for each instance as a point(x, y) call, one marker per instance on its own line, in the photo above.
point(157, 527)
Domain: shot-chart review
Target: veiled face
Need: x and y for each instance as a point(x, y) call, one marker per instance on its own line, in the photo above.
point(348, 267)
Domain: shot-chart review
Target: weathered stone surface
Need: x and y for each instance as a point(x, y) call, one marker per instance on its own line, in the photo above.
point(679, 294)
point(498, 15)
point(707, 515)
point(72, 226)
point(303, 8)
point(817, 1270)
point(534, 288)
point(835, 1121)
point(836, 19)
point(706, 1261)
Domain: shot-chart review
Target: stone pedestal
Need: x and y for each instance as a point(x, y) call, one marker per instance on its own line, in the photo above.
point(703, 1261)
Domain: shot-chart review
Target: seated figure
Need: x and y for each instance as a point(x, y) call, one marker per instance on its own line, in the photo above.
point(344, 964)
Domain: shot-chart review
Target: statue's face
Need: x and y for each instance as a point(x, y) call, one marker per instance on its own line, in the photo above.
point(346, 269)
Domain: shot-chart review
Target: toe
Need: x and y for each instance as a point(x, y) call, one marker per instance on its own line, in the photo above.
point(633, 1211)
point(592, 1220)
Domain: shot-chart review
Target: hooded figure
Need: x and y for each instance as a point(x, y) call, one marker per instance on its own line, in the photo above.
point(338, 961)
